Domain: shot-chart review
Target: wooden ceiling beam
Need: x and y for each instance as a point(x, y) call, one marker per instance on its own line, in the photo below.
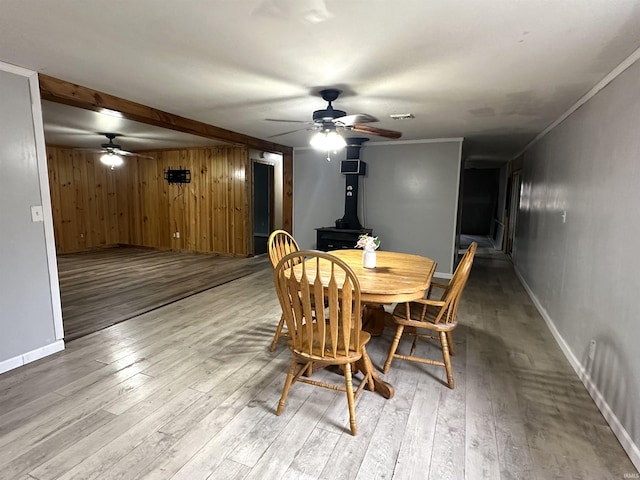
point(60, 91)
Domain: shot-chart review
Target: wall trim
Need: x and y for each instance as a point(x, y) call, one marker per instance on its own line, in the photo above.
point(8, 67)
point(610, 77)
point(400, 142)
point(31, 356)
point(447, 276)
point(409, 142)
point(618, 429)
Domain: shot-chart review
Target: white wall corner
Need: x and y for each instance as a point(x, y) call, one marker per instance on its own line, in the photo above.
point(45, 194)
point(618, 429)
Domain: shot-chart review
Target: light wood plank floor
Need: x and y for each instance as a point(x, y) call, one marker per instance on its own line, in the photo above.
point(102, 287)
point(189, 391)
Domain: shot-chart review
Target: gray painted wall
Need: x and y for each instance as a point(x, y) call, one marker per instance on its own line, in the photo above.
point(409, 196)
point(26, 305)
point(584, 274)
point(318, 194)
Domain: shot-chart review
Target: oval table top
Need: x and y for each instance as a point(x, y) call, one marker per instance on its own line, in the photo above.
point(397, 277)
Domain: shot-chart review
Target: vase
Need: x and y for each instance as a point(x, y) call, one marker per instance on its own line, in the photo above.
point(369, 258)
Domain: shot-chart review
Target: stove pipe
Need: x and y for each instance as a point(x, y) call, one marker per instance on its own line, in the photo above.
point(350, 220)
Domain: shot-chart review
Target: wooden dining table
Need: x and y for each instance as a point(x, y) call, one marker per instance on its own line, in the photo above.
point(397, 277)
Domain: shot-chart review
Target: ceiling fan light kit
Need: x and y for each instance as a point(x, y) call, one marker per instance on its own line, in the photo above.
point(328, 140)
point(111, 160)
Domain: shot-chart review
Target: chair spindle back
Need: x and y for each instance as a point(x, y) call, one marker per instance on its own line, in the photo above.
point(318, 278)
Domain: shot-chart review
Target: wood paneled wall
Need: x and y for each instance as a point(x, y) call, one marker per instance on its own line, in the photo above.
point(94, 206)
point(83, 200)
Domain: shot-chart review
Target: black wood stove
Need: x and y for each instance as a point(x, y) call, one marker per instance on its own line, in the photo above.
point(348, 228)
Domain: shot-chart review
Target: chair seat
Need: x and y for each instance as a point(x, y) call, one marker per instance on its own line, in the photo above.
point(415, 312)
point(321, 357)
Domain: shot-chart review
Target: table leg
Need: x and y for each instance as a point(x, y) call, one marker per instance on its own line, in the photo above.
point(383, 388)
point(373, 319)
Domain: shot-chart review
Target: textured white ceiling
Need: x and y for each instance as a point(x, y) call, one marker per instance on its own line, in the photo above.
point(496, 72)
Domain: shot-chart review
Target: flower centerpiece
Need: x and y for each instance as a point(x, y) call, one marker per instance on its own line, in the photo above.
point(368, 244)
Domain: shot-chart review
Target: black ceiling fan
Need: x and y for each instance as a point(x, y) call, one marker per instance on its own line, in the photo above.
point(332, 119)
point(111, 148)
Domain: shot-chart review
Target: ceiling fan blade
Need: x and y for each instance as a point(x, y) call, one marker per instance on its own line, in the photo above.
point(349, 120)
point(288, 121)
point(94, 150)
point(381, 132)
point(125, 153)
point(286, 133)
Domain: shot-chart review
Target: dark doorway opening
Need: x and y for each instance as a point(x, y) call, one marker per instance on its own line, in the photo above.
point(479, 200)
point(263, 205)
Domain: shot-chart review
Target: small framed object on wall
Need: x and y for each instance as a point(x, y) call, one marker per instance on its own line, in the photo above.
point(353, 167)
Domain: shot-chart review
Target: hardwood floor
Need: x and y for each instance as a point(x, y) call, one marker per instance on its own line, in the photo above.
point(103, 287)
point(189, 391)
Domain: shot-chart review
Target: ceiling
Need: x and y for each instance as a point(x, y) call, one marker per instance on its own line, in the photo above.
point(496, 72)
point(76, 127)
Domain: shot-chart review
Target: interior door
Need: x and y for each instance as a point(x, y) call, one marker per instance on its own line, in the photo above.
point(263, 205)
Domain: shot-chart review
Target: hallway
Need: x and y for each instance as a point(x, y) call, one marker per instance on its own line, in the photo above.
point(527, 411)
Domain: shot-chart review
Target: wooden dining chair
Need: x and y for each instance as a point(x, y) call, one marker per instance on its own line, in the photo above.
point(331, 336)
point(280, 243)
point(436, 316)
point(443, 288)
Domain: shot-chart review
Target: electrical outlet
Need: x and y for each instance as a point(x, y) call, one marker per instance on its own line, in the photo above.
point(592, 349)
point(177, 234)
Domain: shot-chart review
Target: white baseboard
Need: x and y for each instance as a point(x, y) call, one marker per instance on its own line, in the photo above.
point(447, 276)
point(10, 364)
point(618, 429)
point(31, 356)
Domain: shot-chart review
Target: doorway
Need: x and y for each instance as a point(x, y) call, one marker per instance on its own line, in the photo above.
point(514, 207)
point(479, 200)
point(263, 205)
